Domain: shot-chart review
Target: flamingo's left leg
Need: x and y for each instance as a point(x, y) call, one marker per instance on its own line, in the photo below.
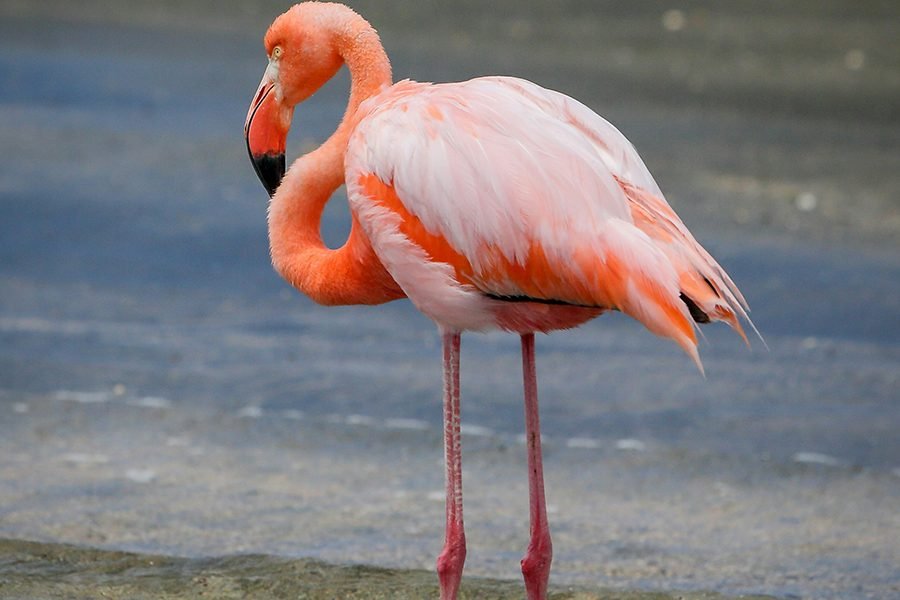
point(536, 563)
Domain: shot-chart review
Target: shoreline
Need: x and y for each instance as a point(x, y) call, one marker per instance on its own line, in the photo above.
point(50, 570)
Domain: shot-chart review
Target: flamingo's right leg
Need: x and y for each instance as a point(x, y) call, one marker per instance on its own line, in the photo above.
point(536, 563)
point(453, 556)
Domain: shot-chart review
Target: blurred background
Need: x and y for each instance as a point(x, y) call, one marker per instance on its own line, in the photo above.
point(162, 390)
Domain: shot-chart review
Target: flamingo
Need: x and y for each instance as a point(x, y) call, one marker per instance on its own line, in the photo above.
point(491, 204)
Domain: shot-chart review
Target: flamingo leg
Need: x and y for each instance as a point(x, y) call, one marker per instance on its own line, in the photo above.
point(453, 556)
point(536, 562)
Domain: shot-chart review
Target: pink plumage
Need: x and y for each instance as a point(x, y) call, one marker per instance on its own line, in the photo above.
point(499, 168)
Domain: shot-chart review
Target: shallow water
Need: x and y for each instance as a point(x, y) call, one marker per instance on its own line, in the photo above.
point(162, 391)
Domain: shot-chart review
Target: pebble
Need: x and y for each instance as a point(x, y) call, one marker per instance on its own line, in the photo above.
point(855, 59)
point(81, 397)
point(401, 423)
point(476, 430)
point(151, 402)
point(816, 458)
point(364, 420)
point(631, 444)
point(140, 475)
point(582, 442)
point(250, 412)
point(806, 201)
point(674, 20)
point(83, 458)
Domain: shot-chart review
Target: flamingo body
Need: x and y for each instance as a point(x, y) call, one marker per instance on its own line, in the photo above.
point(492, 204)
point(495, 203)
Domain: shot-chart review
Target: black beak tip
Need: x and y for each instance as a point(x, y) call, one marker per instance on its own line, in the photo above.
point(270, 170)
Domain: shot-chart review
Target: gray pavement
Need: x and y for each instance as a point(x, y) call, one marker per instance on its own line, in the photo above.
point(162, 391)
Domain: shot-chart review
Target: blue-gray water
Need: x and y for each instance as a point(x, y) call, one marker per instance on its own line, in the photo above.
point(162, 390)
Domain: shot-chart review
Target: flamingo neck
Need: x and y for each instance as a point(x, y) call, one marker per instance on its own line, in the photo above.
point(351, 274)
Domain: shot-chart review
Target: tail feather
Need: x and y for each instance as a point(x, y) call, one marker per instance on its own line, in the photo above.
point(636, 277)
point(706, 289)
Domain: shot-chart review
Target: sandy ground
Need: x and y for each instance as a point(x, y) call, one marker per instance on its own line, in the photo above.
point(162, 392)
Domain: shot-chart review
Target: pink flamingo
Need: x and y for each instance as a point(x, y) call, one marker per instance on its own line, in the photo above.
point(491, 204)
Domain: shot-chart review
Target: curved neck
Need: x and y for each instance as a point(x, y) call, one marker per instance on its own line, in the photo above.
point(351, 274)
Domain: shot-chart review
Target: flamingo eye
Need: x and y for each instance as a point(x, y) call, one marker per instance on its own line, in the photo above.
point(277, 52)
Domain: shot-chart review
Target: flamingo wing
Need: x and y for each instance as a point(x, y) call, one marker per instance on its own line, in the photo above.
point(526, 194)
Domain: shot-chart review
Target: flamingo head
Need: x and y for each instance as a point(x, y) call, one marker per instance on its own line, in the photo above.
point(302, 57)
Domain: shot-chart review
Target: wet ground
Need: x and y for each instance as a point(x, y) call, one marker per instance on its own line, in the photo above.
point(162, 392)
point(75, 573)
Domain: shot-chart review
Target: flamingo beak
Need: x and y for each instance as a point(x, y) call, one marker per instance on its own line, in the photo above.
point(265, 132)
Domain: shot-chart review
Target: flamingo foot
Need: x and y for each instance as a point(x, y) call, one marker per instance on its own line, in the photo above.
point(450, 565)
point(536, 566)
